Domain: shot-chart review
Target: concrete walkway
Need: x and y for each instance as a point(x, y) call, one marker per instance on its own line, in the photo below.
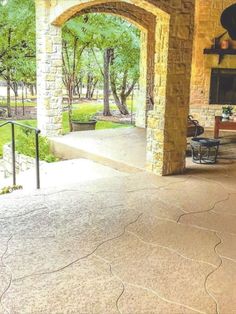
point(128, 244)
point(123, 149)
point(61, 173)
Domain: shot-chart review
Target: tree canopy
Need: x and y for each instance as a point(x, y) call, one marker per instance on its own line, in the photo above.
point(17, 43)
point(97, 49)
point(90, 40)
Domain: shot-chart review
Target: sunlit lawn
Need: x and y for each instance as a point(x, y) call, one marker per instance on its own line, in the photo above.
point(5, 132)
point(81, 109)
point(91, 109)
point(19, 103)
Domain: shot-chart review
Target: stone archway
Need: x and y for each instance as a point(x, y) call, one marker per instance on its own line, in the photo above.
point(170, 70)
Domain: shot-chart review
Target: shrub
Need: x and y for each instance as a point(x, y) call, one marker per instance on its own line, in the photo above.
point(25, 145)
point(77, 116)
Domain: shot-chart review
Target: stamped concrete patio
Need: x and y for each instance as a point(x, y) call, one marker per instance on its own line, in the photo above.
point(128, 244)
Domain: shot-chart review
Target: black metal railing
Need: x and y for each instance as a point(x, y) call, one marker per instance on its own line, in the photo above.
point(13, 144)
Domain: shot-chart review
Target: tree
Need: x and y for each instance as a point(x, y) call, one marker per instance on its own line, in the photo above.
point(17, 40)
point(108, 52)
point(124, 73)
point(92, 75)
point(71, 54)
point(118, 43)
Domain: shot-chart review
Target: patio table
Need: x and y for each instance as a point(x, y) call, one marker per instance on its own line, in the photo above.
point(223, 125)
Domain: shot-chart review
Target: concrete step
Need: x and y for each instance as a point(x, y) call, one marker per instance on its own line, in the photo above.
point(121, 149)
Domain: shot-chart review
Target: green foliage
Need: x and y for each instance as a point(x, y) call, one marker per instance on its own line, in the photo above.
point(10, 189)
point(5, 132)
point(77, 116)
point(97, 30)
point(91, 109)
point(17, 40)
point(26, 145)
point(93, 33)
point(228, 110)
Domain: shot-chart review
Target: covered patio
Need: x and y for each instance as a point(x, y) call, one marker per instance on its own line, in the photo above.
point(129, 244)
point(128, 240)
point(124, 149)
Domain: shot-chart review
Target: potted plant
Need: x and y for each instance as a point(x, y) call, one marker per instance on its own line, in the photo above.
point(227, 112)
point(83, 122)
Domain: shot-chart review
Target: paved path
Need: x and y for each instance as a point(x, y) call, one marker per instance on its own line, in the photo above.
point(123, 149)
point(130, 244)
point(62, 173)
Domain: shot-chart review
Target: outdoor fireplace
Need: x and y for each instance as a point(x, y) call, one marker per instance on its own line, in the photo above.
point(223, 86)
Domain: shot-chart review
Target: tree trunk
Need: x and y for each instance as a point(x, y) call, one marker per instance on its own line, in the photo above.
point(107, 60)
point(26, 91)
point(16, 113)
point(70, 113)
point(81, 89)
point(9, 79)
point(70, 89)
point(14, 87)
point(123, 108)
point(89, 85)
point(32, 89)
point(23, 100)
point(93, 87)
point(8, 94)
point(119, 103)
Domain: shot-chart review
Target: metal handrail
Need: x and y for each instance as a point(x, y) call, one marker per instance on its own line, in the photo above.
point(37, 132)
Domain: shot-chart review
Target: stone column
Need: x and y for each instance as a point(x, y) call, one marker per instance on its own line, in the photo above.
point(156, 117)
point(167, 123)
point(49, 71)
point(141, 95)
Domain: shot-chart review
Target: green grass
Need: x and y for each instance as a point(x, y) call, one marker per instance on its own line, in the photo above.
point(5, 132)
point(92, 109)
point(83, 108)
point(19, 104)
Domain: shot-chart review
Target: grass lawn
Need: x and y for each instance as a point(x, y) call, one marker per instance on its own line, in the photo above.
point(5, 132)
point(91, 109)
point(19, 104)
point(81, 109)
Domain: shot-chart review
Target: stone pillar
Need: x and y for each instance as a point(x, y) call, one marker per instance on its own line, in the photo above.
point(167, 123)
point(49, 72)
point(156, 117)
point(140, 99)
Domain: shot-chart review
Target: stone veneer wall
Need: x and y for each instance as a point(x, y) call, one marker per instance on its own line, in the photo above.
point(23, 162)
point(174, 23)
point(49, 71)
point(207, 27)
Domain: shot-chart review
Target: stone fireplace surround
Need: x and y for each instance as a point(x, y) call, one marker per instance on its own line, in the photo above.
point(207, 27)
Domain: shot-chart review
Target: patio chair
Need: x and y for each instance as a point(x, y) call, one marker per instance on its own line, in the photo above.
point(194, 128)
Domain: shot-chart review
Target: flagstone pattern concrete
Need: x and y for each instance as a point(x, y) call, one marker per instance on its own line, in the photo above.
point(130, 244)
